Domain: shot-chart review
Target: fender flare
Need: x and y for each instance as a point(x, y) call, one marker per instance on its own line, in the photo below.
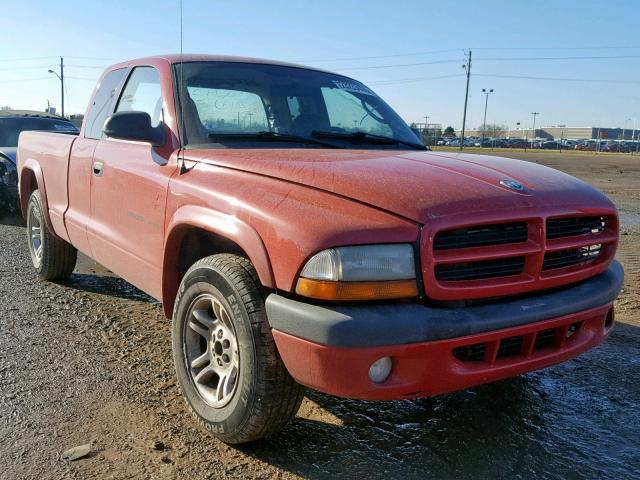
point(218, 223)
point(32, 165)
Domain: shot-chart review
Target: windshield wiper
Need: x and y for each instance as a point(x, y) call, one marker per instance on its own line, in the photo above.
point(271, 136)
point(359, 135)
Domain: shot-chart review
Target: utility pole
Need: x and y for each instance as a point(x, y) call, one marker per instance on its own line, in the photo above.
point(62, 84)
point(467, 68)
point(61, 78)
point(533, 133)
point(426, 128)
point(486, 101)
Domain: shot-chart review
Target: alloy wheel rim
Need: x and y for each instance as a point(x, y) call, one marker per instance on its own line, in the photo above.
point(34, 229)
point(211, 350)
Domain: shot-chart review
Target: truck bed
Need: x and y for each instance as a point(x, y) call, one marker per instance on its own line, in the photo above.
point(51, 151)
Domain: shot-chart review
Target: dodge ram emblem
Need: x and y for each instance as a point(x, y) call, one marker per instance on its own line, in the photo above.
point(512, 185)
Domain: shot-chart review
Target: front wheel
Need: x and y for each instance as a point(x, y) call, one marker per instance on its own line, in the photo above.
point(226, 361)
point(52, 257)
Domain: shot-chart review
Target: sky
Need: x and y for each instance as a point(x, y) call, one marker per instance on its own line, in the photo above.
point(409, 51)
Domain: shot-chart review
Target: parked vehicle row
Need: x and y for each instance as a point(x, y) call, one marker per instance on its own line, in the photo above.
point(544, 144)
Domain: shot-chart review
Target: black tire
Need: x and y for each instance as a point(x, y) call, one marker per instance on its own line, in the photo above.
point(264, 397)
point(57, 258)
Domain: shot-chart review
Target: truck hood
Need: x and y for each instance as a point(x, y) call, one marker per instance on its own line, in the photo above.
point(417, 185)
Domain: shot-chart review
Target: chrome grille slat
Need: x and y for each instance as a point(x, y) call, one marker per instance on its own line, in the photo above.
point(574, 226)
point(481, 236)
point(570, 257)
point(479, 270)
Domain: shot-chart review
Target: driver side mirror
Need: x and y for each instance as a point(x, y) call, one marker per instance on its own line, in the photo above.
point(136, 126)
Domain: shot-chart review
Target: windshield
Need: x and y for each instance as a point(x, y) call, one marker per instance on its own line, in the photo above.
point(231, 104)
point(11, 127)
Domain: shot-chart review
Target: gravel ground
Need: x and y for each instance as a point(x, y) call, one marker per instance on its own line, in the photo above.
point(89, 361)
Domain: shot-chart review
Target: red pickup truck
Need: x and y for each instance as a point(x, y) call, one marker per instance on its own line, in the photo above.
point(298, 234)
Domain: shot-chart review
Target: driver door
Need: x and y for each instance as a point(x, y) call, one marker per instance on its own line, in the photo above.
point(128, 193)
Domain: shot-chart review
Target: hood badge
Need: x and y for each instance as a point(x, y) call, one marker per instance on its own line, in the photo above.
point(513, 185)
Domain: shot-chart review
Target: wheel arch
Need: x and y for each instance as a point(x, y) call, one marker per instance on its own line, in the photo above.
point(195, 232)
point(30, 180)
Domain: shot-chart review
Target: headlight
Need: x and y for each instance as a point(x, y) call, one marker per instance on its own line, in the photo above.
point(369, 272)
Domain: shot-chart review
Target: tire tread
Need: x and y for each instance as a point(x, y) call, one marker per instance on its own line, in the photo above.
point(58, 256)
point(278, 395)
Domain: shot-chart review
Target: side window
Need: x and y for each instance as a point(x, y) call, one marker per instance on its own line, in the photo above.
point(142, 94)
point(102, 105)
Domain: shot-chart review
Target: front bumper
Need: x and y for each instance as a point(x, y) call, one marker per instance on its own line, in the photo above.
point(330, 348)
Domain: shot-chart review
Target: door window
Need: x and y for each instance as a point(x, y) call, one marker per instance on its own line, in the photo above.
point(142, 94)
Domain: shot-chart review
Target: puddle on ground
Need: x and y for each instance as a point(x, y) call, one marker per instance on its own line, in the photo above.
point(629, 219)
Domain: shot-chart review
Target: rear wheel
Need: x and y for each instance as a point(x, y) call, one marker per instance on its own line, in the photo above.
point(52, 257)
point(227, 364)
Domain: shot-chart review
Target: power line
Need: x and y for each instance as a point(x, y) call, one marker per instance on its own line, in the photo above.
point(559, 79)
point(40, 67)
point(493, 59)
point(433, 52)
point(399, 65)
point(45, 67)
point(416, 54)
point(25, 59)
point(91, 58)
point(560, 48)
point(86, 66)
point(51, 57)
point(521, 59)
point(410, 80)
point(19, 80)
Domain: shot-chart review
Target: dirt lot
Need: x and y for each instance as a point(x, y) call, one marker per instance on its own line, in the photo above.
point(89, 361)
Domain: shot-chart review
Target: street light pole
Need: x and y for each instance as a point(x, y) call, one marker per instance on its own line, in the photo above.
point(61, 78)
point(533, 133)
point(486, 101)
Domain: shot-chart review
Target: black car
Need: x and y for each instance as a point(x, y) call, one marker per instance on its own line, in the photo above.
point(11, 124)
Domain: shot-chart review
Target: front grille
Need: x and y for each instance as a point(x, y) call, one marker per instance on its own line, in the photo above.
point(573, 226)
point(481, 236)
point(518, 345)
point(571, 257)
point(495, 259)
point(502, 267)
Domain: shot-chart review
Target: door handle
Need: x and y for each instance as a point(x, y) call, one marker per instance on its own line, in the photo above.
point(97, 169)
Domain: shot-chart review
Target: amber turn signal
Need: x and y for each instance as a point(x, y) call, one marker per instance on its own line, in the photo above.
point(328, 290)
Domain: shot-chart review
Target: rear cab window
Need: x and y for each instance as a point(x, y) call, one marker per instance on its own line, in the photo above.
point(102, 105)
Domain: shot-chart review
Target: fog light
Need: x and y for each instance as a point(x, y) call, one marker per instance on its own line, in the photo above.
point(380, 369)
